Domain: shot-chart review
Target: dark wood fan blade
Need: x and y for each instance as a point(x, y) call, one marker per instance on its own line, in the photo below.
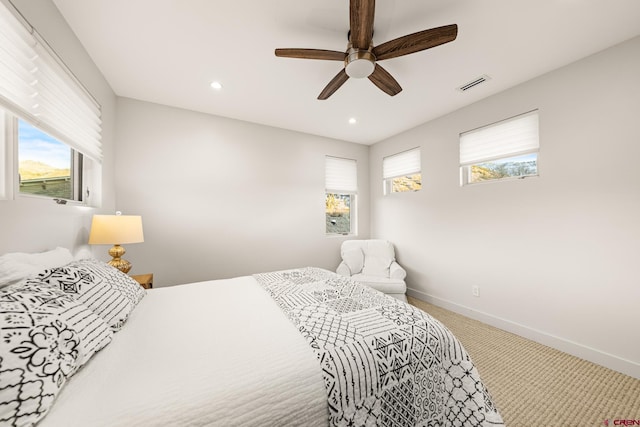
point(416, 42)
point(385, 81)
point(361, 15)
point(334, 84)
point(329, 55)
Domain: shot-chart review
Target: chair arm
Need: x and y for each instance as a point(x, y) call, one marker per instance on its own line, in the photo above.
point(343, 269)
point(396, 271)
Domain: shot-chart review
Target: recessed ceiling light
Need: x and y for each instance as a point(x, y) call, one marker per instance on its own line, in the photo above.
point(352, 121)
point(216, 85)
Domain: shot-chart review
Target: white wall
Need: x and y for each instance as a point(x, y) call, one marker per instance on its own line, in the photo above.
point(556, 257)
point(28, 224)
point(223, 198)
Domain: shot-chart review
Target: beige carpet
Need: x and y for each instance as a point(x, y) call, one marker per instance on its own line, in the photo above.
point(533, 385)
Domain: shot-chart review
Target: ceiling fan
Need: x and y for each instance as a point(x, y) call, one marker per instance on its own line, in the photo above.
point(361, 57)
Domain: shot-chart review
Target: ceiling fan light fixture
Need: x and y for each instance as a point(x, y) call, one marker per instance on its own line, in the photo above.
point(359, 63)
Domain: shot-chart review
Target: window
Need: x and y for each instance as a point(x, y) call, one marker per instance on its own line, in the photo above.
point(6, 165)
point(46, 166)
point(341, 187)
point(51, 127)
point(402, 172)
point(507, 149)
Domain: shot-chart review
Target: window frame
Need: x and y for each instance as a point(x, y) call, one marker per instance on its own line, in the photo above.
point(85, 173)
point(352, 213)
point(466, 172)
point(6, 156)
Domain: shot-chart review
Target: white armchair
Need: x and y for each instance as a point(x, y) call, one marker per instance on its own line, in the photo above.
point(373, 263)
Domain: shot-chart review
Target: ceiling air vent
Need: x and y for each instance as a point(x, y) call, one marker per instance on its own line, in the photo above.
point(465, 87)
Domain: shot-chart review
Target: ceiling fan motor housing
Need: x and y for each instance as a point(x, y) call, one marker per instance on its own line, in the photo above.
point(359, 63)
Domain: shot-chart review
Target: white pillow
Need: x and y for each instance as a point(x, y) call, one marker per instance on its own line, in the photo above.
point(354, 258)
point(16, 266)
point(83, 253)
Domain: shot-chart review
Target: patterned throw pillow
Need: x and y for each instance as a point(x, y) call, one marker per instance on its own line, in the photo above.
point(107, 291)
point(45, 336)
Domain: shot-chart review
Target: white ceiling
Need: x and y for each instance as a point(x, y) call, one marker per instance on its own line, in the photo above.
point(169, 51)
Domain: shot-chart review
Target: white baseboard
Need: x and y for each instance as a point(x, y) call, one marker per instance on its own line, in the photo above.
point(607, 360)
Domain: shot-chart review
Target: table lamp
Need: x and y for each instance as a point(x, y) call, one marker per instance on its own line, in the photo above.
point(116, 230)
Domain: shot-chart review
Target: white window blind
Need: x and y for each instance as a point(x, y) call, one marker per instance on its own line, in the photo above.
point(37, 86)
point(341, 175)
point(508, 138)
point(401, 164)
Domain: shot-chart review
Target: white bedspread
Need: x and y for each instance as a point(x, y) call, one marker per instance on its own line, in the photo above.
point(210, 353)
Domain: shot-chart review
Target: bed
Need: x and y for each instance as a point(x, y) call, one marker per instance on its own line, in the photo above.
point(302, 347)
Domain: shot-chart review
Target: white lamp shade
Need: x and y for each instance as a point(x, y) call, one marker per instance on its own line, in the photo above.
point(116, 229)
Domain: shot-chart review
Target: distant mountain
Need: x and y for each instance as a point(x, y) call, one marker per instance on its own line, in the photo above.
point(31, 169)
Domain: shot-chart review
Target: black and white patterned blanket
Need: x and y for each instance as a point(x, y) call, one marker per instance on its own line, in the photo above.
point(384, 362)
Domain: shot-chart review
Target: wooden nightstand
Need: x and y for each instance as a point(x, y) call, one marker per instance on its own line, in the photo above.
point(145, 280)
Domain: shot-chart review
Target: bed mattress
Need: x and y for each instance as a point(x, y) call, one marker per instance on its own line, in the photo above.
point(216, 353)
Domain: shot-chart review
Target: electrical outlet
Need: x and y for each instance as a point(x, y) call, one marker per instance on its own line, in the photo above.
point(475, 290)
